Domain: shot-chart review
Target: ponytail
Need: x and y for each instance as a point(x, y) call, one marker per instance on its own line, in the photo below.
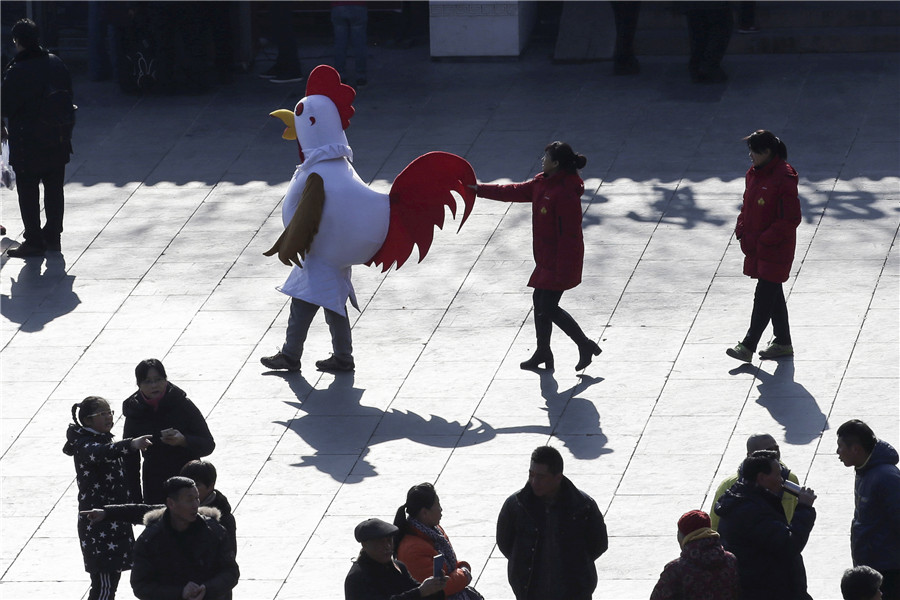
point(86, 407)
point(567, 158)
point(761, 140)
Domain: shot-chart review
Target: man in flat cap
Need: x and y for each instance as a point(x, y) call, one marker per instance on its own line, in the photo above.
point(377, 575)
point(704, 569)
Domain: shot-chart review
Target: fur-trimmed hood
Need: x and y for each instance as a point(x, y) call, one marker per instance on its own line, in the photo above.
point(156, 515)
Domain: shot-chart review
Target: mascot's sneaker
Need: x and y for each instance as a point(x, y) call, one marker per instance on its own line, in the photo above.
point(280, 362)
point(777, 351)
point(741, 352)
point(334, 364)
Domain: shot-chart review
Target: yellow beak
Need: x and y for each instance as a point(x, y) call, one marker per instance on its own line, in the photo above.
point(287, 117)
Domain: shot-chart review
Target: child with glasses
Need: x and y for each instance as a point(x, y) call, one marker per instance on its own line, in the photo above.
point(100, 473)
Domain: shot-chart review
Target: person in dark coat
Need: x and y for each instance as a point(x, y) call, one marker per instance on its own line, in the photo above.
point(767, 230)
point(178, 429)
point(558, 244)
point(100, 474)
point(551, 533)
point(377, 575)
point(184, 551)
point(875, 531)
point(203, 474)
point(753, 528)
point(704, 571)
point(38, 150)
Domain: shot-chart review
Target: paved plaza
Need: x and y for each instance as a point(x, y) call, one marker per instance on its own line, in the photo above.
point(172, 200)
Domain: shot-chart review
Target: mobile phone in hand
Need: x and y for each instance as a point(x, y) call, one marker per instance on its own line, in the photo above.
point(439, 565)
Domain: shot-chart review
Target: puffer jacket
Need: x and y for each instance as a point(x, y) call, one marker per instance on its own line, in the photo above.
point(162, 461)
point(520, 534)
point(558, 242)
point(25, 83)
point(875, 532)
point(165, 560)
point(768, 221)
point(753, 528)
point(417, 552)
point(100, 473)
point(704, 571)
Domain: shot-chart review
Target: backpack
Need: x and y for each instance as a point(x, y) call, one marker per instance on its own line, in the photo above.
point(56, 118)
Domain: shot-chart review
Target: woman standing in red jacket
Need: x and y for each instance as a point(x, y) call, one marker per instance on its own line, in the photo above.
point(767, 230)
point(558, 244)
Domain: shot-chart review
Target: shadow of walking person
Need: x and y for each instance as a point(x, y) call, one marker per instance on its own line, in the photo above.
point(790, 403)
point(38, 296)
point(575, 420)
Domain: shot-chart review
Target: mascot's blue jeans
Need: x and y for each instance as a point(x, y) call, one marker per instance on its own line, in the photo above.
point(302, 313)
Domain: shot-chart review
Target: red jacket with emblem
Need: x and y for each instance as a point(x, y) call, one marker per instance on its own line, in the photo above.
point(558, 242)
point(767, 225)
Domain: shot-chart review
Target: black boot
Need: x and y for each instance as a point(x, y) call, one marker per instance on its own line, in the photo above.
point(541, 355)
point(586, 353)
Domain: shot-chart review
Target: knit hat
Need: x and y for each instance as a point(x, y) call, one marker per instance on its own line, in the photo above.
point(692, 521)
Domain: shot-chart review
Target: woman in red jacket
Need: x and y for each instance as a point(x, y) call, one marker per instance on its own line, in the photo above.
point(558, 244)
point(420, 538)
point(767, 230)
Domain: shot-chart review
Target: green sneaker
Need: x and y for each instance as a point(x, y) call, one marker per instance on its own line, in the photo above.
point(740, 352)
point(776, 351)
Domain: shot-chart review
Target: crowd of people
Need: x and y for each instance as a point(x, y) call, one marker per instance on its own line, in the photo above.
point(749, 545)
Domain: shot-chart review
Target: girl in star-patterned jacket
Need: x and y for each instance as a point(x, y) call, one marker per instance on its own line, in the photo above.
point(99, 469)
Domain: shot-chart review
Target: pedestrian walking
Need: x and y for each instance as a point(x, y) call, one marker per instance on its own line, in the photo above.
point(767, 230)
point(558, 244)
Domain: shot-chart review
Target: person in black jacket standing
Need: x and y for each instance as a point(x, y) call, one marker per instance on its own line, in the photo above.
point(183, 551)
point(37, 101)
point(551, 532)
point(753, 528)
point(180, 434)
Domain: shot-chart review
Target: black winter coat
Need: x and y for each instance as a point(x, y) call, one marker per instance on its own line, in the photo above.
point(100, 473)
point(134, 513)
point(25, 84)
point(520, 529)
point(753, 528)
point(162, 461)
point(165, 560)
point(370, 580)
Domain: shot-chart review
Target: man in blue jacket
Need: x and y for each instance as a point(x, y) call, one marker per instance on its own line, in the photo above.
point(875, 531)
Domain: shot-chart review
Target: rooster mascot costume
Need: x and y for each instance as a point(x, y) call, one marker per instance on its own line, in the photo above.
point(333, 220)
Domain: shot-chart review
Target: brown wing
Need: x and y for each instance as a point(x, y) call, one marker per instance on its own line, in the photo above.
point(297, 237)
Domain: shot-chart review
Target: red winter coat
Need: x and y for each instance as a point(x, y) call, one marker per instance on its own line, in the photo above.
point(417, 551)
point(558, 243)
point(767, 225)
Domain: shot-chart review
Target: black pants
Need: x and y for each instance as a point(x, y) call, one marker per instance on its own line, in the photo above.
point(709, 31)
point(104, 585)
point(28, 188)
point(768, 305)
point(890, 586)
point(626, 18)
point(548, 313)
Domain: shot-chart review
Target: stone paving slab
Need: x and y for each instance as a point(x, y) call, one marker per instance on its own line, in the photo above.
point(172, 200)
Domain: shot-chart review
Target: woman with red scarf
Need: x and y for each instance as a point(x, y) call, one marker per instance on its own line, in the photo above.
point(179, 433)
point(767, 230)
point(558, 244)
